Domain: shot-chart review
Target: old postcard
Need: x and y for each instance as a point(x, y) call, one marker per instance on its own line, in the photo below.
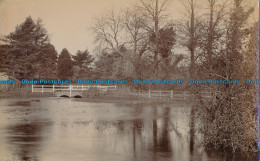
point(129, 80)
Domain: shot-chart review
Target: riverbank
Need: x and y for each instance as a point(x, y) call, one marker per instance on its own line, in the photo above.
point(93, 95)
point(126, 100)
point(133, 100)
point(18, 94)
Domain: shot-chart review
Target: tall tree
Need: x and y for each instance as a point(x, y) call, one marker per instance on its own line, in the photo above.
point(46, 62)
point(189, 32)
point(228, 108)
point(154, 13)
point(142, 30)
point(65, 65)
point(108, 30)
point(26, 42)
point(165, 42)
point(250, 92)
point(82, 62)
point(104, 65)
point(138, 38)
point(3, 57)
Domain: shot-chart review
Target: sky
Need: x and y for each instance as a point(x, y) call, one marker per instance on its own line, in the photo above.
point(68, 22)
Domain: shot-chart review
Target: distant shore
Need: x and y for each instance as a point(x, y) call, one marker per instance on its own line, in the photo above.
point(105, 98)
point(132, 100)
point(18, 94)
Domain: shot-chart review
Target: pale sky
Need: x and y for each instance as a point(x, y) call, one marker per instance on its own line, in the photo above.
point(68, 22)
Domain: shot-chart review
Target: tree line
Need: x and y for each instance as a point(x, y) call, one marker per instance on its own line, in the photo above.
point(218, 42)
point(27, 53)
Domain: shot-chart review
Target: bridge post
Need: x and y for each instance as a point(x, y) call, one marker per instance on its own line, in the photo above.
point(53, 88)
point(82, 88)
point(70, 90)
point(149, 94)
point(171, 94)
point(42, 88)
point(184, 95)
point(32, 88)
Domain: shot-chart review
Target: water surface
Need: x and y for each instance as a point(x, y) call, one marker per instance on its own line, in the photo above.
point(64, 129)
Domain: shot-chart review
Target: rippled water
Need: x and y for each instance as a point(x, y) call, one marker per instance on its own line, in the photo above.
point(62, 129)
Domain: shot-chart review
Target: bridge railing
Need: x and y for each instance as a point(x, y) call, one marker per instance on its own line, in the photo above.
point(179, 95)
point(70, 88)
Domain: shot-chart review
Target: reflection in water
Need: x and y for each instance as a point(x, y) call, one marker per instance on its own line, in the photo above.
point(161, 140)
point(192, 129)
point(65, 129)
point(165, 142)
point(137, 129)
point(154, 129)
point(22, 103)
point(26, 139)
point(25, 131)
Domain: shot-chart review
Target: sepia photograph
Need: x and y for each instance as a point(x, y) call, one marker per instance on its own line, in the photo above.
point(129, 80)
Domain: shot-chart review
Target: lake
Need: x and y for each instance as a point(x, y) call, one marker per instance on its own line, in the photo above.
point(64, 129)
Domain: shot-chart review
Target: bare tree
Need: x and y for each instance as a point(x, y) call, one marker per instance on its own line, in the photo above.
point(137, 36)
point(134, 24)
point(143, 30)
point(109, 30)
point(154, 12)
point(190, 31)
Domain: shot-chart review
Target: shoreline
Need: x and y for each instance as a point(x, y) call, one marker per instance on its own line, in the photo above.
point(25, 95)
point(104, 99)
point(132, 100)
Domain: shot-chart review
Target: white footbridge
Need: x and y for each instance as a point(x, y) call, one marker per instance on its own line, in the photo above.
point(69, 90)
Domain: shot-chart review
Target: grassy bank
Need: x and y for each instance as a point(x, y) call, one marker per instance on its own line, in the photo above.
point(131, 100)
point(93, 95)
point(123, 96)
point(15, 94)
point(22, 92)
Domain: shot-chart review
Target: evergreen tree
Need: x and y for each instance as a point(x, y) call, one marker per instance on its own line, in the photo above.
point(65, 65)
point(82, 62)
point(47, 62)
point(26, 44)
point(104, 65)
point(3, 51)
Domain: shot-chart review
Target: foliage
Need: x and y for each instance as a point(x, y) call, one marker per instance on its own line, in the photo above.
point(104, 65)
point(82, 64)
point(3, 55)
point(141, 31)
point(65, 65)
point(166, 40)
point(140, 42)
point(228, 117)
point(26, 43)
point(46, 62)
